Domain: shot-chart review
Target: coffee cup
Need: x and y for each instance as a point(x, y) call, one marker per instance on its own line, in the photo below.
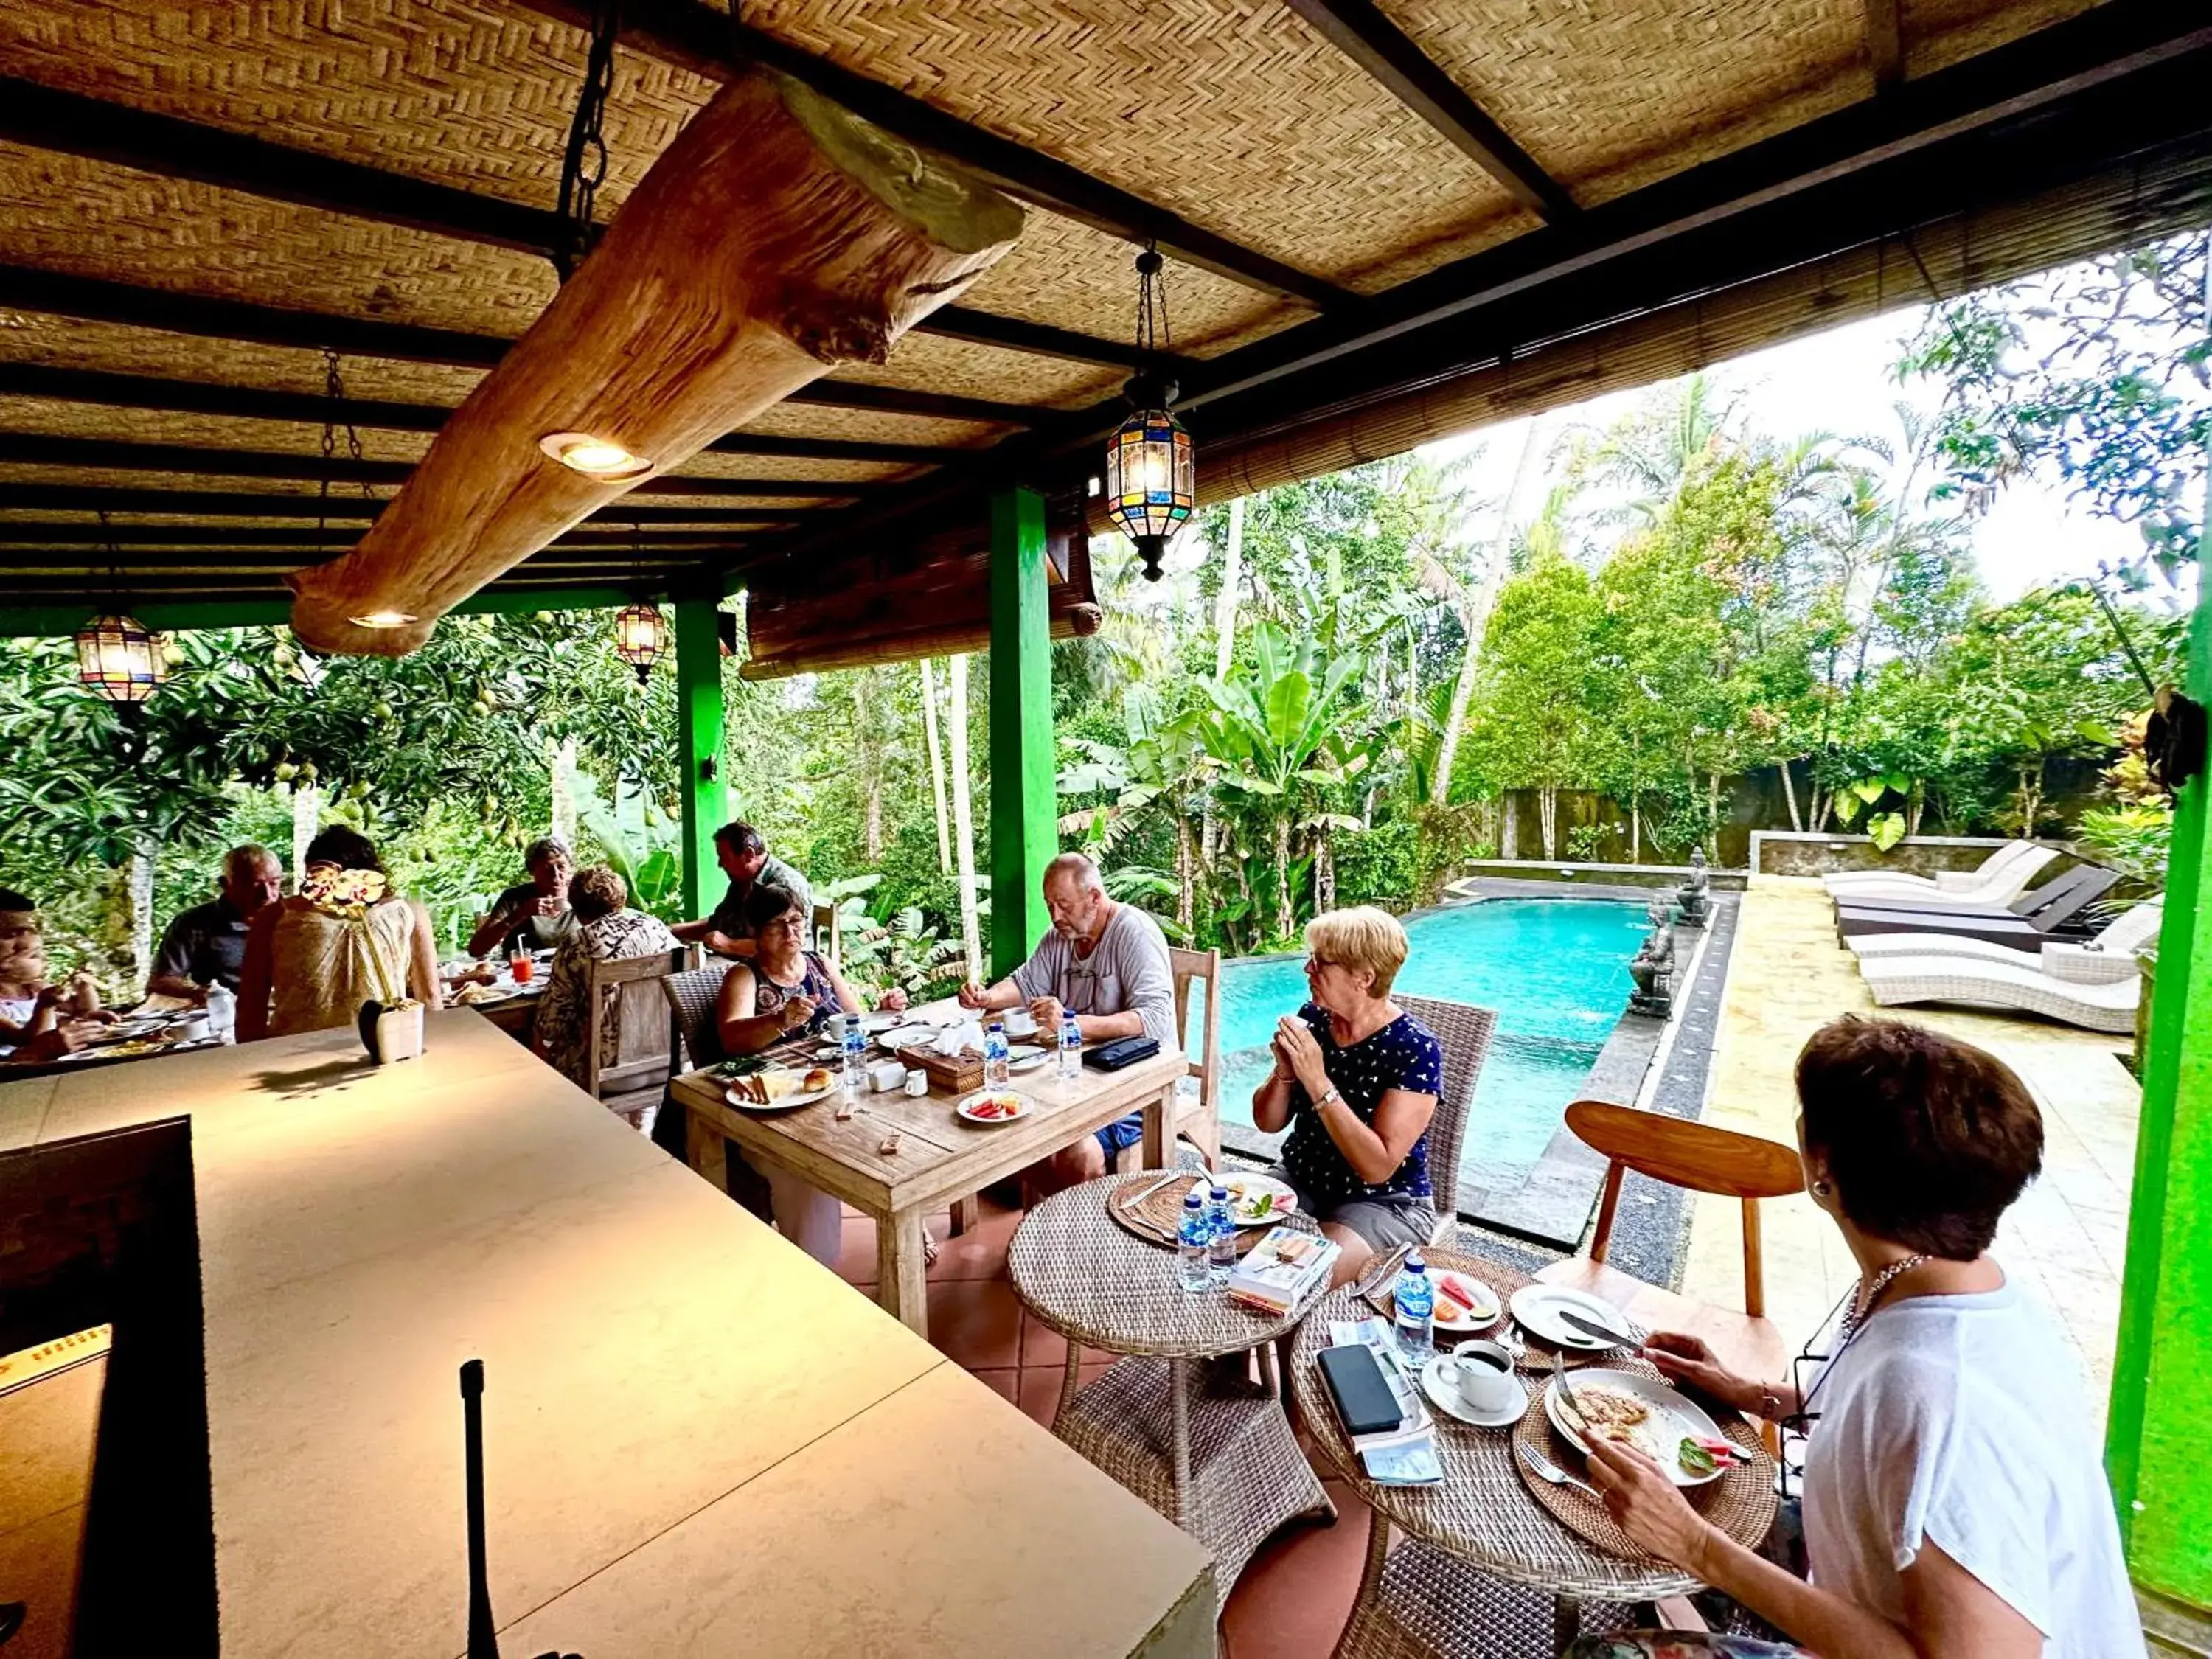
point(1481, 1375)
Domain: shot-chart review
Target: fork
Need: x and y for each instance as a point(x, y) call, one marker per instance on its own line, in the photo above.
point(1547, 1471)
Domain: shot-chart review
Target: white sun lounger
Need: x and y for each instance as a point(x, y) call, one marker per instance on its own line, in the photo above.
point(2106, 1007)
point(2107, 959)
point(2003, 877)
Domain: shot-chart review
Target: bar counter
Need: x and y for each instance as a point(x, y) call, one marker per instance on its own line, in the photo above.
point(698, 1441)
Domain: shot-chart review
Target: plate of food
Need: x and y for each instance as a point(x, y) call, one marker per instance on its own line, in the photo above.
point(994, 1106)
point(1260, 1201)
point(779, 1089)
point(1463, 1304)
point(475, 994)
point(1643, 1412)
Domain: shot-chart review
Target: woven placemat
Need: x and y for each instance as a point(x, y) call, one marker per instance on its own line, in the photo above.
point(1157, 1217)
point(1740, 1503)
point(1504, 1280)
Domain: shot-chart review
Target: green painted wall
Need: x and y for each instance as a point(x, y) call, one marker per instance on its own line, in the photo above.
point(2162, 1367)
point(699, 743)
point(1025, 802)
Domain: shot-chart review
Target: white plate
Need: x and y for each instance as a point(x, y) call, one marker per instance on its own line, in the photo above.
point(1687, 1418)
point(1245, 1189)
point(905, 1036)
point(1029, 1062)
point(1537, 1306)
point(968, 1100)
point(1487, 1310)
point(877, 1024)
point(804, 1097)
point(1024, 1050)
point(1446, 1399)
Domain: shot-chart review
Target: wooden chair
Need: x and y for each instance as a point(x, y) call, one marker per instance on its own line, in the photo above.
point(1463, 1031)
point(636, 1053)
point(1198, 1122)
point(829, 939)
point(1704, 1159)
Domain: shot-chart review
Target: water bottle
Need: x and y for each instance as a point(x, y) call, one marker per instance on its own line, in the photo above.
point(222, 1012)
point(1194, 1271)
point(1221, 1226)
point(854, 1080)
point(1414, 1301)
point(1070, 1048)
point(997, 1074)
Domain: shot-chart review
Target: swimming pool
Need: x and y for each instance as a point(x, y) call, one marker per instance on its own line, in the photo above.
point(1555, 969)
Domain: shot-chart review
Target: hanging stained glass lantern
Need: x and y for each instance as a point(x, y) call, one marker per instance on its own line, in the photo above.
point(117, 658)
point(1150, 479)
point(640, 637)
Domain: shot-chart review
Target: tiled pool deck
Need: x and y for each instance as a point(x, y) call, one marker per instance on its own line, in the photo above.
point(2066, 1238)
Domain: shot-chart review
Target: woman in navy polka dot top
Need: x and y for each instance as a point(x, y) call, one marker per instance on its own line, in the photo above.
point(1356, 1079)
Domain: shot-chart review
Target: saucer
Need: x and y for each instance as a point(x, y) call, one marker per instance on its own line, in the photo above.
point(1447, 1400)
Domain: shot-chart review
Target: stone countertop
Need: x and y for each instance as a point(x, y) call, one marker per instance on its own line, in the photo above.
point(686, 1417)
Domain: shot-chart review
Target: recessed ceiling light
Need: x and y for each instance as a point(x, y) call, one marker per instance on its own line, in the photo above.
point(382, 619)
point(594, 457)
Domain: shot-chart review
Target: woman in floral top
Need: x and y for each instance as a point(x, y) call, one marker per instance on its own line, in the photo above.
point(604, 932)
point(1356, 1079)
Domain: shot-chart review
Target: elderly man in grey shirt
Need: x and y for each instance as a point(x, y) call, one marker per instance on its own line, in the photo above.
point(1105, 962)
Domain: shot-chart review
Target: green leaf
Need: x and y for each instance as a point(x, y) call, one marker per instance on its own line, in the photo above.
point(1870, 790)
point(1885, 830)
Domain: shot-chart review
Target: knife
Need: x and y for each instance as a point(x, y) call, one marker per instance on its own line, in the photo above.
point(1389, 1265)
point(1131, 1203)
point(1591, 1328)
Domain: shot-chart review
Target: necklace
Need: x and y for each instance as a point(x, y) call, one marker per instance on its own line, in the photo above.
point(1869, 1294)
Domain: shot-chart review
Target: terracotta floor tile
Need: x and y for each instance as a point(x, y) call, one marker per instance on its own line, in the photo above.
point(1041, 1344)
point(1292, 1598)
point(976, 1323)
point(1039, 1392)
point(1006, 1379)
point(856, 1258)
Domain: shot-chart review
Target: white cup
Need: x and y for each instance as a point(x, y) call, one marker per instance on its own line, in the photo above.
point(1481, 1374)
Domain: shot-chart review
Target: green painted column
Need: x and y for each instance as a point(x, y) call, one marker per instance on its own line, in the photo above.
point(699, 747)
point(1024, 801)
point(2162, 1367)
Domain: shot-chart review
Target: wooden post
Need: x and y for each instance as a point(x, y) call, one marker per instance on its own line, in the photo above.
point(699, 744)
point(2162, 1367)
point(1024, 798)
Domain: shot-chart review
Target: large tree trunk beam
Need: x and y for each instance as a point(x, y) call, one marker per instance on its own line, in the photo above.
point(778, 236)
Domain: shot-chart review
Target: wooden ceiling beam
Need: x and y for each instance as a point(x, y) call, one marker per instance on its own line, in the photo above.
point(85, 385)
point(169, 148)
point(612, 532)
point(1885, 39)
point(1358, 29)
point(230, 504)
point(26, 288)
point(121, 455)
point(704, 40)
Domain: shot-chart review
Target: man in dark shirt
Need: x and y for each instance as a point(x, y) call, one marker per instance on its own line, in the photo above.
point(205, 944)
point(742, 851)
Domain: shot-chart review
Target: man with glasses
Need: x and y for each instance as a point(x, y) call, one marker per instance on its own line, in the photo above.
point(1106, 964)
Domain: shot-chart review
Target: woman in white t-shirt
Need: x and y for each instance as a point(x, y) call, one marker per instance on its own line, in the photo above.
point(1954, 1507)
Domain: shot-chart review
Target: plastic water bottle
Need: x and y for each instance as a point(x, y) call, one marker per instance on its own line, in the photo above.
point(222, 1012)
point(997, 1074)
point(1070, 1048)
point(1221, 1228)
point(854, 1079)
point(1414, 1301)
point(1194, 1271)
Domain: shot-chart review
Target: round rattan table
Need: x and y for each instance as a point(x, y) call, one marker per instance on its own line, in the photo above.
point(1533, 1582)
point(1220, 1461)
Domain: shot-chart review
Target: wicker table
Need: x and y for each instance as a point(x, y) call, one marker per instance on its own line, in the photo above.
point(1484, 1569)
point(1221, 1462)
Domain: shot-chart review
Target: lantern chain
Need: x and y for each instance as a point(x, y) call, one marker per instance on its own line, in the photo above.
point(584, 165)
point(1153, 336)
point(334, 397)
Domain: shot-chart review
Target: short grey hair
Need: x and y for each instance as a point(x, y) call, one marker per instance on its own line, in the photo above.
point(1079, 868)
point(240, 863)
point(544, 850)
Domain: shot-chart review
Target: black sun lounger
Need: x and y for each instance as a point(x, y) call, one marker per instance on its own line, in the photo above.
point(2042, 912)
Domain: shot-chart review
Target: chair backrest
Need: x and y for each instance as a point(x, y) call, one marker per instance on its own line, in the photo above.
point(829, 941)
point(2059, 900)
point(1463, 1031)
point(604, 980)
point(1206, 1066)
point(2134, 926)
point(691, 997)
point(1698, 1156)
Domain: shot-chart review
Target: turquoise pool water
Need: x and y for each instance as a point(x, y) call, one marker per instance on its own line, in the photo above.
point(1555, 969)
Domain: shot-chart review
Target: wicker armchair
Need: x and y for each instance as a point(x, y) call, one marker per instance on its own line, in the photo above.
point(1464, 1032)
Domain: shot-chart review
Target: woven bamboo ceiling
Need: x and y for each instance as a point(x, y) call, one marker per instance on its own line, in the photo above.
point(1360, 203)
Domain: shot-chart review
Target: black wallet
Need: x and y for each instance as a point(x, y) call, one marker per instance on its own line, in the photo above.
point(1358, 1388)
point(1122, 1051)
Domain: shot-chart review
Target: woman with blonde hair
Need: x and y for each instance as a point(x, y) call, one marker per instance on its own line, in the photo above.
point(1356, 1079)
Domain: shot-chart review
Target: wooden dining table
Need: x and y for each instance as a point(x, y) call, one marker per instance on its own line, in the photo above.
point(940, 1158)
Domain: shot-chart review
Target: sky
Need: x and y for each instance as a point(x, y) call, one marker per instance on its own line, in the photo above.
point(1840, 382)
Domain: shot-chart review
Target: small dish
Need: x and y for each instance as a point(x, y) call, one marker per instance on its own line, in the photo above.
point(992, 1107)
point(1488, 1309)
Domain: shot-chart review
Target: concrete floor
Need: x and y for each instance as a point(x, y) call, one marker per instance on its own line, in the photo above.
point(2065, 1239)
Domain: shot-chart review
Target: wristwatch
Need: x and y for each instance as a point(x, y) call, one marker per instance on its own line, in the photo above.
point(1332, 1093)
